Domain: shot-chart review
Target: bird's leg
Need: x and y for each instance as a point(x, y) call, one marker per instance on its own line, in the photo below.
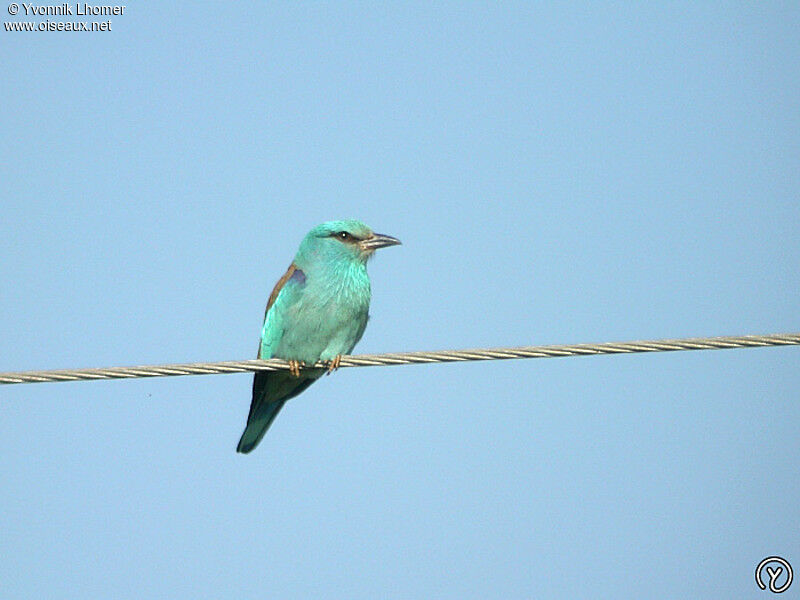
point(294, 367)
point(334, 364)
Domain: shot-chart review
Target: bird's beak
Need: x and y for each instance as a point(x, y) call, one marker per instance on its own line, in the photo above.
point(378, 240)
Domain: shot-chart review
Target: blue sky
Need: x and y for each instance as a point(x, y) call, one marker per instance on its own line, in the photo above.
point(558, 174)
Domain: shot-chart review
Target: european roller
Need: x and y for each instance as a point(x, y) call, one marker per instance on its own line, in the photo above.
point(317, 311)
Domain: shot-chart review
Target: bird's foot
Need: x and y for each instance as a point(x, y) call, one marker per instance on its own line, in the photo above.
point(294, 367)
point(334, 364)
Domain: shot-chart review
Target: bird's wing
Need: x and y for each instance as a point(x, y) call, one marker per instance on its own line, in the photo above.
point(272, 388)
point(272, 330)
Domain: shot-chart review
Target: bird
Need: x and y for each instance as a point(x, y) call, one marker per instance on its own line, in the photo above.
point(317, 311)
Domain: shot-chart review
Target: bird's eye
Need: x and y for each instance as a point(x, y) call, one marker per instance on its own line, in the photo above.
point(343, 235)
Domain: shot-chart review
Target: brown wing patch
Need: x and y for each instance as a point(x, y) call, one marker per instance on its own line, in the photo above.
point(273, 296)
point(279, 286)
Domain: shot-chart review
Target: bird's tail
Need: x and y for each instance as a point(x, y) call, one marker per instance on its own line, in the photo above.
point(270, 391)
point(257, 425)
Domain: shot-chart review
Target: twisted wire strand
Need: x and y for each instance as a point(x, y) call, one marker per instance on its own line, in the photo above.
point(408, 358)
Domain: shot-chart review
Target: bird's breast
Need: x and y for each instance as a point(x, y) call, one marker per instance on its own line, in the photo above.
point(329, 317)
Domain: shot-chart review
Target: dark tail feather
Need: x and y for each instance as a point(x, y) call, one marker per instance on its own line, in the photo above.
point(270, 391)
point(258, 424)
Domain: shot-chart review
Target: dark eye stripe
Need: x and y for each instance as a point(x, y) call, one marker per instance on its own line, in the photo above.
point(345, 236)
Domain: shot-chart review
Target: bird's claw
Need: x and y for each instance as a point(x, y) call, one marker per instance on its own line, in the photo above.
point(294, 367)
point(334, 364)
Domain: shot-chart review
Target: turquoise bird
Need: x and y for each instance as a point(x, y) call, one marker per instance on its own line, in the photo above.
point(317, 312)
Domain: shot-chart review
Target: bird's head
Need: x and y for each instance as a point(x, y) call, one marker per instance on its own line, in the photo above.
point(343, 241)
